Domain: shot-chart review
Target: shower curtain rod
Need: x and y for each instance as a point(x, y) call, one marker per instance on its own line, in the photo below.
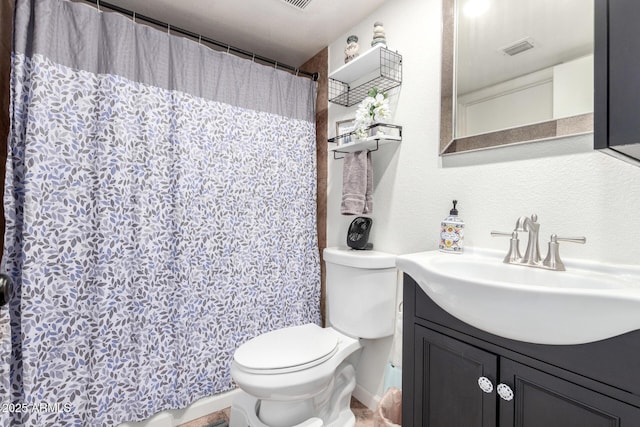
point(136, 16)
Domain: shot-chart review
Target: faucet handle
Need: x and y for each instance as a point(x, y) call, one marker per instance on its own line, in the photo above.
point(553, 261)
point(501, 233)
point(513, 256)
point(582, 240)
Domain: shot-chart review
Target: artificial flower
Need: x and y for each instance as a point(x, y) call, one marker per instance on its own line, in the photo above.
point(373, 108)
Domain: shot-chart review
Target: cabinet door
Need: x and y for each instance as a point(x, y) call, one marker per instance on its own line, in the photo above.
point(446, 387)
point(624, 65)
point(617, 85)
point(542, 400)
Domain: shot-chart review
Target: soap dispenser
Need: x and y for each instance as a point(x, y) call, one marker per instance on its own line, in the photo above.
point(452, 232)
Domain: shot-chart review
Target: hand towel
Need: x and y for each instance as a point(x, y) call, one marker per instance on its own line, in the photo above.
point(357, 183)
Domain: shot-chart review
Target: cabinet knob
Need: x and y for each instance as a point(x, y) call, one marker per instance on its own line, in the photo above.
point(485, 384)
point(505, 392)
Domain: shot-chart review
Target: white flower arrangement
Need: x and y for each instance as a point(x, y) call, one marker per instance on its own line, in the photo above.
point(374, 108)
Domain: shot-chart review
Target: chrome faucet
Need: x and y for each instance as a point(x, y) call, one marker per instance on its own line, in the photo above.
point(531, 256)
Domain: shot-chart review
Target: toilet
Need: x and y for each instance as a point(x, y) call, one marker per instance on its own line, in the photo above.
point(303, 376)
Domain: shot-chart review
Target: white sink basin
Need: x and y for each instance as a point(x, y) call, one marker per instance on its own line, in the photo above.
point(588, 302)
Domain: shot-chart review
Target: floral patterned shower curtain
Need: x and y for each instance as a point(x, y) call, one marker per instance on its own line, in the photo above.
point(160, 204)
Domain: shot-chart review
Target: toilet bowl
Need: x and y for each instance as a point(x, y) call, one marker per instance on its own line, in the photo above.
point(306, 385)
point(304, 375)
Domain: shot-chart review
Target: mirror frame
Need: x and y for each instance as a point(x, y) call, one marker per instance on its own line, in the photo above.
point(542, 131)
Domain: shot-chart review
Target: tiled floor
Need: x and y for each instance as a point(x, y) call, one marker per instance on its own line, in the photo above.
point(364, 417)
point(209, 420)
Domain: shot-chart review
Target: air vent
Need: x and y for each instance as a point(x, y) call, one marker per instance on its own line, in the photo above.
point(298, 4)
point(518, 47)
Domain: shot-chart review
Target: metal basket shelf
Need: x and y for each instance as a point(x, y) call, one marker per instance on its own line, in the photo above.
point(387, 66)
point(379, 134)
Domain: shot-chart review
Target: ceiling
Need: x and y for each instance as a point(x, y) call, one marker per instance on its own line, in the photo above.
point(270, 28)
point(561, 30)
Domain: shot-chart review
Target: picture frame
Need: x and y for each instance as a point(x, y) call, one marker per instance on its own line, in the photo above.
point(343, 128)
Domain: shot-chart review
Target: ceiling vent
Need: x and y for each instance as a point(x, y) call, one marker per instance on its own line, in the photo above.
point(298, 4)
point(518, 47)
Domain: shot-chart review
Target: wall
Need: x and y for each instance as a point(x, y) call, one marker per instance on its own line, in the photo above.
point(571, 81)
point(574, 190)
point(318, 64)
point(494, 107)
point(556, 92)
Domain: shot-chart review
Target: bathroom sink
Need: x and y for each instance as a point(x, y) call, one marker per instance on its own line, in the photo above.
point(588, 302)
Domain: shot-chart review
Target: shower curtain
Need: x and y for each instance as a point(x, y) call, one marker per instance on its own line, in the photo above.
point(160, 204)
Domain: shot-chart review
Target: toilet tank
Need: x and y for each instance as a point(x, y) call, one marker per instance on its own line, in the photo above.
point(361, 292)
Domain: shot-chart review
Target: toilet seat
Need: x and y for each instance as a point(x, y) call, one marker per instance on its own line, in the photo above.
point(287, 350)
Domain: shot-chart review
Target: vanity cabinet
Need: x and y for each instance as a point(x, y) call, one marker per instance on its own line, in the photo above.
point(550, 386)
point(617, 77)
point(446, 383)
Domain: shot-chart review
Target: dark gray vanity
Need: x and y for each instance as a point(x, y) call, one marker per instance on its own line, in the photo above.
point(617, 78)
point(587, 385)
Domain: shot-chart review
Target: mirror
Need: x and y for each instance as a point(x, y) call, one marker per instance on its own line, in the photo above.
point(515, 71)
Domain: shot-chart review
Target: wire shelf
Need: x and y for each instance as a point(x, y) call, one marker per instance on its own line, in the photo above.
point(378, 134)
point(389, 76)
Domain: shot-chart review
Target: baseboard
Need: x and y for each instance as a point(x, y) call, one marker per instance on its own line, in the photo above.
point(366, 398)
point(197, 409)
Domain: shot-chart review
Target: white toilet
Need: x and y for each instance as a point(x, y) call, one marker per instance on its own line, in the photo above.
point(304, 375)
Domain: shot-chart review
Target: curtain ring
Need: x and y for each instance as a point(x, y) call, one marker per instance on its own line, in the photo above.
point(276, 65)
point(98, 4)
point(297, 70)
point(134, 17)
point(199, 39)
point(228, 48)
point(253, 59)
point(168, 29)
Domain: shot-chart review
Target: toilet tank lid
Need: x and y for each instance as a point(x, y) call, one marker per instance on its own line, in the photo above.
point(359, 259)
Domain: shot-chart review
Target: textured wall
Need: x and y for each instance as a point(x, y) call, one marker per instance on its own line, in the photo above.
point(574, 190)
